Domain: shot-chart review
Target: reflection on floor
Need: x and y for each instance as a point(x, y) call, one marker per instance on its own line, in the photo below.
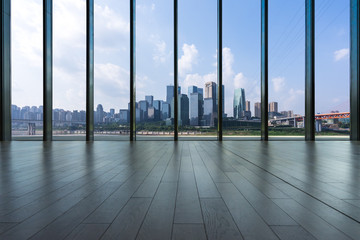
point(180, 190)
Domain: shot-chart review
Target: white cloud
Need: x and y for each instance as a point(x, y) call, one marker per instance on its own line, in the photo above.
point(160, 53)
point(278, 83)
point(106, 17)
point(188, 59)
point(228, 61)
point(341, 54)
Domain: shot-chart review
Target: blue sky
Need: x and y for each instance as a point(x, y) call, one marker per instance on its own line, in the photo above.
point(197, 51)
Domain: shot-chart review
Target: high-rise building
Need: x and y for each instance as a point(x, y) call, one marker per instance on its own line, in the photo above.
point(196, 109)
point(179, 90)
point(192, 89)
point(99, 116)
point(247, 106)
point(112, 112)
point(165, 110)
point(183, 107)
point(150, 100)
point(157, 104)
point(257, 109)
point(210, 90)
point(239, 103)
point(143, 105)
point(169, 93)
point(124, 116)
point(201, 91)
point(209, 112)
point(273, 107)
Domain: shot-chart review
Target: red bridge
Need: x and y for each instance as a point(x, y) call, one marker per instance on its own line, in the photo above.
point(332, 116)
point(318, 117)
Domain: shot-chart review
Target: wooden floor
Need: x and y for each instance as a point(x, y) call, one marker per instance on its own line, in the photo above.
point(180, 190)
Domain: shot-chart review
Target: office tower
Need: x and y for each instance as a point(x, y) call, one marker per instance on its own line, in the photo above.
point(165, 110)
point(183, 106)
point(247, 106)
point(157, 104)
point(195, 111)
point(150, 100)
point(201, 91)
point(143, 105)
point(192, 89)
point(239, 103)
point(273, 107)
point(99, 114)
point(124, 116)
point(179, 90)
point(257, 109)
point(169, 93)
point(210, 90)
point(112, 112)
point(209, 112)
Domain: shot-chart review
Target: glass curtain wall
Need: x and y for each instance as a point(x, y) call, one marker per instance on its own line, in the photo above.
point(286, 68)
point(69, 116)
point(154, 70)
point(332, 68)
point(111, 83)
point(26, 30)
point(241, 69)
point(197, 93)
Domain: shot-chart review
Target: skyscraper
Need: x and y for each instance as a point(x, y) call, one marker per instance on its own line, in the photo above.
point(124, 116)
point(196, 108)
point(239, 103)
point(247, 106)
point(257, 108)
point(210, 90)
point(143, 105)
point(209, 112)
point(183, 106)
point(169, 93)
point(157, 104)
point(150, 100)
point(99, 113)
point(165, 110)
point(273, 107)
point(192, 89)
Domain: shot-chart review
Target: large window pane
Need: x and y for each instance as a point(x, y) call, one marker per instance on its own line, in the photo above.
point(27, 110)
point(286, 68)
point(332, 68)
point(112, 41)
point(69, 117)
point(197, 68)
point(241, 69)
point(154, 67)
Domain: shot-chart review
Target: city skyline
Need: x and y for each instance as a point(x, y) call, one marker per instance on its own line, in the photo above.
point(241, 52)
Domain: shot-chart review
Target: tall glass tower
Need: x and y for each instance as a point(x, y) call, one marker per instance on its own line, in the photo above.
point(239, 103)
